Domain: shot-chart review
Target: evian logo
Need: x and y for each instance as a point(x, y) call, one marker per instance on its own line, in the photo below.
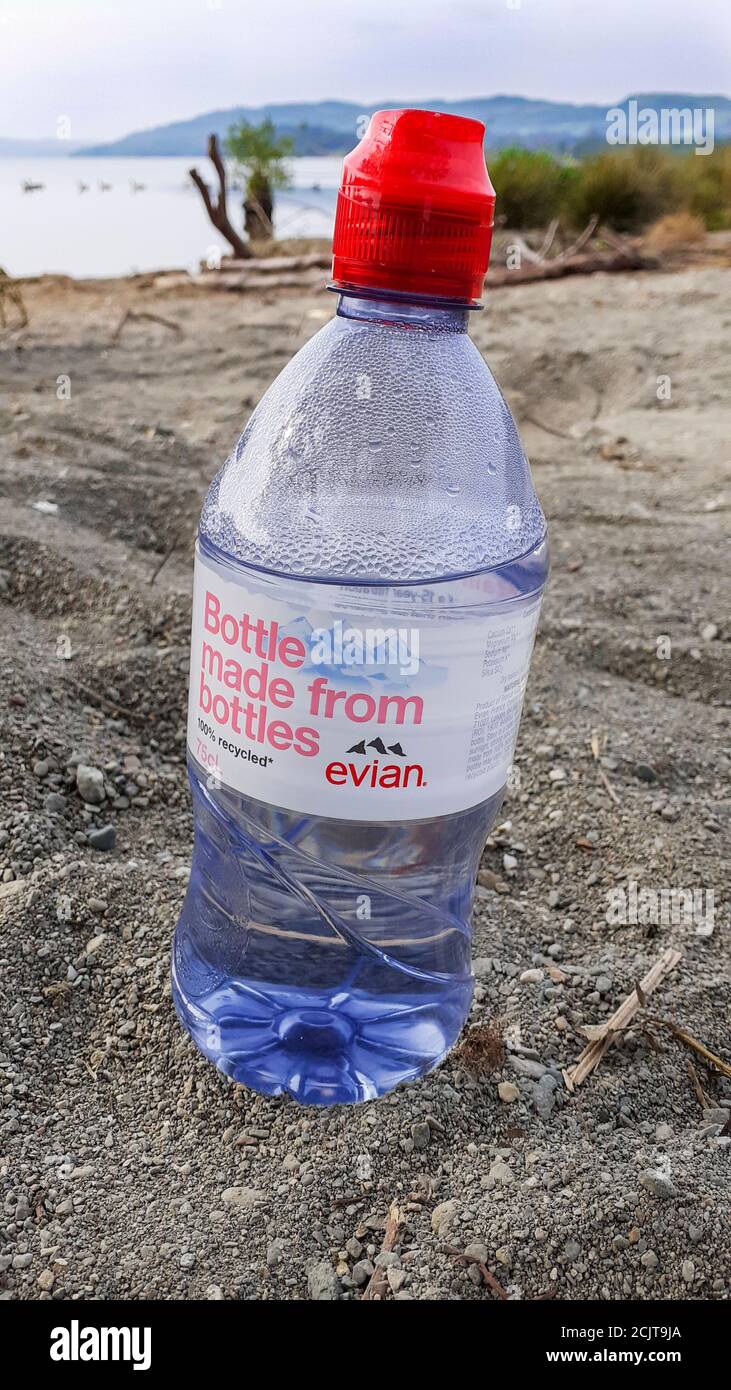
point(77, 1343)
point(373, 773)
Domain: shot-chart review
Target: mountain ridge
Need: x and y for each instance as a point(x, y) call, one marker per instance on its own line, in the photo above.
point(331, 127)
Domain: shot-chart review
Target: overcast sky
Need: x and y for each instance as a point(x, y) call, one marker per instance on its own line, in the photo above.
point(118, 65)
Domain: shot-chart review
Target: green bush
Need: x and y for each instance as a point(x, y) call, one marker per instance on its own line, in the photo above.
point(704, 186)
point(627, 189)
point(531, 186)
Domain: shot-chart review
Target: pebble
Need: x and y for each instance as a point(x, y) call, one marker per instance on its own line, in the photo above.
point(709, 631)
point(443, 1216)
point(603, 984)
point(362, 1272)
point(244, 1197)
point(421, 1134)
point(214, 1293)
point(544, 1096)
point(571, 1250)
point(658, 1184)
point(649, 1259)
point(532, 977)
point(104, 838)
point(508, 1092)
point(275, 1253)
point(502, 1173)
point(322, 1283)
point(22, 1261)
point(54, 803)
point(525, 1066)
point(90, 784)
point(46, 1280)
point(477, 1250)
point(688, 1271)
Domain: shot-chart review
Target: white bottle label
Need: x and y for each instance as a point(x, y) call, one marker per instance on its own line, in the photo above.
point(310, 697)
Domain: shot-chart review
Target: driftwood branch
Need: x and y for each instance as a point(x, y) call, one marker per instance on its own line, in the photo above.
point(580, 243)
point(588, 264)
point(216, 208)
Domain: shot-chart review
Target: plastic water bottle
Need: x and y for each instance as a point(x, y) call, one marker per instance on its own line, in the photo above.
point(369, 571)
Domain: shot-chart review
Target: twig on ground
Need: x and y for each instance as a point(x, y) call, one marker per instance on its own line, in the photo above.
point(603, 778)
point(698, 1047)
point(135, 315)
point(603, 1036)
point(459, 1257)
point(93, 697)
point(378, 1282)
point(700, 1094)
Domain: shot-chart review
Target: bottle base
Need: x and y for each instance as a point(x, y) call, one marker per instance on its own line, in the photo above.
point(320, 1047)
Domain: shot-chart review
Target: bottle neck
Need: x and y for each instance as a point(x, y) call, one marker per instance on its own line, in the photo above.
point(403, 310)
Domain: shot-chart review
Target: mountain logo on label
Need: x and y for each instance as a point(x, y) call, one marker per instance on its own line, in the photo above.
point(379, 746)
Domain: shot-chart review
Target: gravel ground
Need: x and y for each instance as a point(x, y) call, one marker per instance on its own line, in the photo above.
point(130, 1168)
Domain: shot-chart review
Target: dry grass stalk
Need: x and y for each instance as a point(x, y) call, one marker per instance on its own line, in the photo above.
point(603, 1036)
point(699, 1047)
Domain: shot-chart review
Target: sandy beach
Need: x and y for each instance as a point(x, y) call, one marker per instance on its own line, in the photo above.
point(131, 1169)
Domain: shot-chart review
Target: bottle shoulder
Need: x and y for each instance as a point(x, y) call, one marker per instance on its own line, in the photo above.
point(379, 452)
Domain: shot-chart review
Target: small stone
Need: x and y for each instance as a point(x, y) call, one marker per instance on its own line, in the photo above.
point(620, 1243)
point(22, 1261)
point(508, 1091)
point(571, 1250)
point(645, 772)
point(46, 1280)
point(102, 839)
point(658, 1184)
point(649, 1259)
point(187, 1260)
point(54, 803)
point(443, 1216)
point(603, 984)
point(510, 862)
point(90, 784)
point(688, 1271)
point(244, 1197)
point(322, 1283)
point(557, 774)
point(275, 1253)
point(531, 977)
point(214, 1293)
point(362, 1272)
point(354, 1248)
point(663, 1132)
point(421, 1134)
point(396, 1279)
point(477, 1251)
point(544, 1096)
point(709, 631)
point(502, 1173)
point(527, 1066)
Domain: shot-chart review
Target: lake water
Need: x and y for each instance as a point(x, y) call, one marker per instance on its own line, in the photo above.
point(117, 231)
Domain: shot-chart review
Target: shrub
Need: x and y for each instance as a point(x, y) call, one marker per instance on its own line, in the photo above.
point(530, 185)
point(627, 188)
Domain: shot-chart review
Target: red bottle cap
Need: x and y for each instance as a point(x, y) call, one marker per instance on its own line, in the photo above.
point(415, 207)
